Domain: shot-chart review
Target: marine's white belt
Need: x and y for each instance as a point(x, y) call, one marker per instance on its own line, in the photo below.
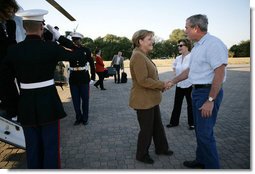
point(78, 68)
point(37, 84)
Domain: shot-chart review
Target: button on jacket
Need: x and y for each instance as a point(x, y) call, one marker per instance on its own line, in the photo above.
point(146, 89)
point(34, 60)
point(82, 77)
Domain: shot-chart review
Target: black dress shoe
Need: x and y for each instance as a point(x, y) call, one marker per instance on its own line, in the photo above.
point(167, 153)
point(84, 122)
point(146, 159)
point(193, 164)
point(76, 123)
point(96, 86)
point(103, 89)
point(171, 125)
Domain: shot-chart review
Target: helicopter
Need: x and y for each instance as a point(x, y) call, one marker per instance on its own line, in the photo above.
point(61, 10)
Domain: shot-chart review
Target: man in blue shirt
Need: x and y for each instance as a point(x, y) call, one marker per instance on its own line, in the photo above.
point(207, 72)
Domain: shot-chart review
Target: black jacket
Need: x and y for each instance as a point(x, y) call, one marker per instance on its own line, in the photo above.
point(35, 60)
point(82, 77)
point(9, 94)
point(7, 37)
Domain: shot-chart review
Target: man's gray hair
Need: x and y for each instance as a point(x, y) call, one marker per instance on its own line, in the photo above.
point(199, 20)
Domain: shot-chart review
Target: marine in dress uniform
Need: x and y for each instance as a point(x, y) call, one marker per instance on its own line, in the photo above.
point(33, 62)
point(9, 94)
point(79, 80)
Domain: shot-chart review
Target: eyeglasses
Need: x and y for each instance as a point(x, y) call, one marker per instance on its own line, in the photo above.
point(180, 45)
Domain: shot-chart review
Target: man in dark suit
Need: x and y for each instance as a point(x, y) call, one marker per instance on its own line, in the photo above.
point(9, 94)
point(117, 63)
point(33, 62)
point(80, 79)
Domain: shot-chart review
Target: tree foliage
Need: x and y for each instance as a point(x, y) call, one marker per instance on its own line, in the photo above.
point(164, 49)
point(176, 35)
point(111, 44)
point(241, 50)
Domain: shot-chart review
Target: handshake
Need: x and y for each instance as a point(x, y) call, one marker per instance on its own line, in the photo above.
point(167, 85)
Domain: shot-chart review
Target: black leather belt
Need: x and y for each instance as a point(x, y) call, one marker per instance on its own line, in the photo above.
point(201, 86)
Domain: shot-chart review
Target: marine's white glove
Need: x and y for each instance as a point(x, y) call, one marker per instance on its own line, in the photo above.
point(55, 32)
point(15, 118)
point(91, 82)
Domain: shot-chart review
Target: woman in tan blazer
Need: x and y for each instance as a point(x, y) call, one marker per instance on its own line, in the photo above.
point(145, 98)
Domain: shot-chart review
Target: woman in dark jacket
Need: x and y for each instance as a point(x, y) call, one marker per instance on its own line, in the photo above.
point(9, 93)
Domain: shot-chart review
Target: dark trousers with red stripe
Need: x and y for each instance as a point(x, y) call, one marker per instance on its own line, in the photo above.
point(80, 92)
point(42, 146)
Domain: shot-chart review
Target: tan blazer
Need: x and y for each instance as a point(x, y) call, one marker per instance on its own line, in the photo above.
point(146, 89)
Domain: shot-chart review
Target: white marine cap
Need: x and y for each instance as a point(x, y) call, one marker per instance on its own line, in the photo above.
point(32, 15)
point(76, 35)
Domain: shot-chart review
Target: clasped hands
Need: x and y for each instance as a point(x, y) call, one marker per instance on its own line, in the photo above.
point(168, 84)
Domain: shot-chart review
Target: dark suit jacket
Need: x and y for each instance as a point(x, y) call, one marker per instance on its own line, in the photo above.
point(35, 60)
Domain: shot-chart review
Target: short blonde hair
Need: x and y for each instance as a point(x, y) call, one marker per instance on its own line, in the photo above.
point(140, 34)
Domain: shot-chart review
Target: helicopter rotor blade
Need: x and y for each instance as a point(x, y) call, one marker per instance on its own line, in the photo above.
point(61, 10)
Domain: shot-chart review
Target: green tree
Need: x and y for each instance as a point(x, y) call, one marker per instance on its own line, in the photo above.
point(163, 48)
point(242, 49)
point(158, 50)
point(125, 46)
point(99, 43)
point(111, 44)
point(171, 49)
point(89, 43)
point(176, 35)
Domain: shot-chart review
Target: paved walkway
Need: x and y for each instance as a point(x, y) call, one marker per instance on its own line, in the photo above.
point(109, 140)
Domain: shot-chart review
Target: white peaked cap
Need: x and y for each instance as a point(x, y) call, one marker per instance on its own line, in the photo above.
point(32, 15)
point(76, 34)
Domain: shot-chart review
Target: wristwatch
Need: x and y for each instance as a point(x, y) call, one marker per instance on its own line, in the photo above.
point(210, 99)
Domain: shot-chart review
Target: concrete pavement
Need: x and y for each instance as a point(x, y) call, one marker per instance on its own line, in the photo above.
point(109, 140)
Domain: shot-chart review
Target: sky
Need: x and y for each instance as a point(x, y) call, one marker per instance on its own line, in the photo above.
point(228, 19)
